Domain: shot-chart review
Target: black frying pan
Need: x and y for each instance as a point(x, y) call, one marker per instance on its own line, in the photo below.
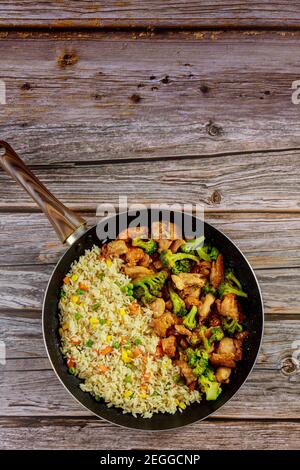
point(72, 231)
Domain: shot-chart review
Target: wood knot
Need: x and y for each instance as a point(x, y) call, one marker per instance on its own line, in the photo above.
point(165, 80)
point(153, 77)
point(288, 366)
point(67, 58)
point(26, 86)
point(204, 88)
point(135, 98)
point(216, 197)
point(213, 129)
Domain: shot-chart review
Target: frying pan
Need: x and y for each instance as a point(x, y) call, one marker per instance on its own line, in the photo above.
point(73, 232)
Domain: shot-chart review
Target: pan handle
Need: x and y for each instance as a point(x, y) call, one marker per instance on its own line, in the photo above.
point(66, 223)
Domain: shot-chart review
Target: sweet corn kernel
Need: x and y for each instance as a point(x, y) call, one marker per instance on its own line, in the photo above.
point(143, 395)
point(108, 322)
point(94, 322)
point(65, 325)
point(108, 338)
point(61, 331)
point(75, 299)
point(74, 278)
point(182, 405)
point(122, 312)
point(125, 355)
point(177, 401)
point(128, 394)
point(108, 262)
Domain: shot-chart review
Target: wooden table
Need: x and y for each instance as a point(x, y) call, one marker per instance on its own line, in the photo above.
point(185, 103)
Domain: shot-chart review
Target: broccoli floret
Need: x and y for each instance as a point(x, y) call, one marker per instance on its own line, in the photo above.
point(170, 259)
point(149, 287)
point(231, 285)
point(231, 326)
point(198, 360)
point(205, 252)
point(209, 385)
point(149, 246)
point(178, 303)
point(209, 289)
point(190, 319)
point(183, 266)
point(216, 334)
point(205, 341)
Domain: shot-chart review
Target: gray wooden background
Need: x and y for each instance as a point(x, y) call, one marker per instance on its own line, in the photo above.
point(183, 103)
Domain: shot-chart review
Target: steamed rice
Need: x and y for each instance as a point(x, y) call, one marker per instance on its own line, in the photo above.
point(99, 318)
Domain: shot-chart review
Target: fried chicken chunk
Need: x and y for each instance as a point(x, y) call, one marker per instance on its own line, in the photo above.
point(183, 280)
point(114, 248)
point(158, 307)
point(162, 323)
point(186, 371)
point(226, 354)
point(228, 307)
point(169, 346)
point(217, 272)
point(223, 374)
point(204, 309)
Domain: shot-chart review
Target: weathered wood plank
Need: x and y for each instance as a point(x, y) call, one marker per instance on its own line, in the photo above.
point(37, 391)
point(227, 183)
point(27, 238)
point(131, 13)
point(113, 97)
point(76, 433)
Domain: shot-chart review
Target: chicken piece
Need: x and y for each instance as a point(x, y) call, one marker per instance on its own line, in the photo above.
point(164, 244)
point(182, 330)
point(134, 308)
point(157, 264)
point(204, 309)
point(137, 271)
point(203, 268)
point(183, 280)
point(217, 271)
point(186, 371)
point(114, 248)
point(191, 296)
point(225, 354)
point(169, 304)
point(134, 256)
point(226, 346)
point(133, 232)
point(162, 323)
point(222, 374)
point(158, 307)
point(228, 307)
point(176, 244)
point(146, 260)
point(169, 346)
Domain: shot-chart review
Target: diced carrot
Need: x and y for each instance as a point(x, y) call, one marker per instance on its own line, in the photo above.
point(75, 341)
point(66, 280)
point(145, 359)
point(103, 369)
point(146, 377)
point(144, 387)
point(71, 362)
point(82, 286)
point(106, 350)
point(123, 340)
point(136, 352)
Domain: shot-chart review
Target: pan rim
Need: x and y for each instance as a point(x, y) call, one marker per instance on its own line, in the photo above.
point(171, 427)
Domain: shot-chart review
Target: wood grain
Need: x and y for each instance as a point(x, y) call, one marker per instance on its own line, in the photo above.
point(150, 13)
point(78, 433)
point(114, 96)
point(225, 183)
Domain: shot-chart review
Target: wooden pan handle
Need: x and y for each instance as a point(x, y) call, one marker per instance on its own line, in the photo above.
point(64, 221)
